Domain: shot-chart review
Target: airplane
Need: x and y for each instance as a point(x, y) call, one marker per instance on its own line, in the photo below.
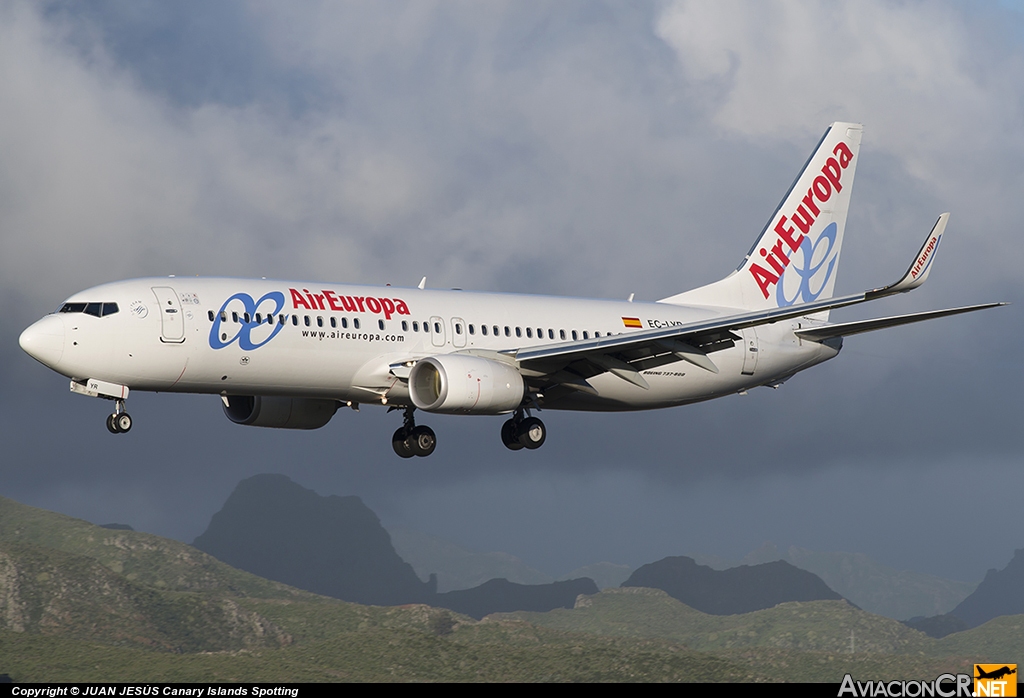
point(289, 354)
point(995, 674)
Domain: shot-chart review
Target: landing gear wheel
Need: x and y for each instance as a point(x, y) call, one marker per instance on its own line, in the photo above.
point(401, 444)
point(423, 441)
point(123, 422)
point(508, 436)
point(531, 433)
point(111, 423)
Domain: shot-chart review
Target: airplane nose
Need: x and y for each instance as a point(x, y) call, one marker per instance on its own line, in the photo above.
point(44, 340)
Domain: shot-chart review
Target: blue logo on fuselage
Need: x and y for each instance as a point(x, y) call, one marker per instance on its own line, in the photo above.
point(246, 322)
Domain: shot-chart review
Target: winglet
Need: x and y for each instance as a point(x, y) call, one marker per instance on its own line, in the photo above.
point(922, 266)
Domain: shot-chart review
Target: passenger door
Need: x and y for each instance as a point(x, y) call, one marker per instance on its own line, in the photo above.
point(172, 323)
point(750, 351)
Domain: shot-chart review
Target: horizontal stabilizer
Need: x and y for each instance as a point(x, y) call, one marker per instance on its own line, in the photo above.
point(818, 334)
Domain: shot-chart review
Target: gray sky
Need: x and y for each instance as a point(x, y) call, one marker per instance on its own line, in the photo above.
point(573, 148)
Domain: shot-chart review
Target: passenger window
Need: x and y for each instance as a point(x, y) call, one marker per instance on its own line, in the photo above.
point(540, 333)
point(344, 322)
point(415, 326)
point(437, 327)
point(472, 330)
point(210, 314)
point(458, 328)
point(551, 334)
point(483, 330)
point(305, 319)
point(295, 319)
point(405, 326)
point(495, 328)
point(223, 316)
point(380, 324)
point(234, 316)
point(596, 335)
point(508, 331)
point(529, 332)
point(355, 323)
point(259, 319)
point(280, 319)
point(574, 336)
point(585, 335)
point(319, 321)
point(561, 334)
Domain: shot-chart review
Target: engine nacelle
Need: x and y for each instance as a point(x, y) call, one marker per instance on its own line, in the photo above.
point(463, 384)
point(280, 412)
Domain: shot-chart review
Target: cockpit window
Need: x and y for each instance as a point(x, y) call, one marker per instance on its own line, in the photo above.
point(94, 309)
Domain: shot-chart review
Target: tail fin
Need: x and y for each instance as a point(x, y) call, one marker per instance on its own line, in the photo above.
point(797, 254)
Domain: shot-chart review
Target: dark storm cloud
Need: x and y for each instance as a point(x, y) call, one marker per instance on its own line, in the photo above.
point(573, 148)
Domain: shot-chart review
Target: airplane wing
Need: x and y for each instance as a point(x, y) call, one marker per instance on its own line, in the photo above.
point(626, 355)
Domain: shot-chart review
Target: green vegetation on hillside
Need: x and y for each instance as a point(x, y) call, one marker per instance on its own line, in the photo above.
point(141, 558)
point(82, 603)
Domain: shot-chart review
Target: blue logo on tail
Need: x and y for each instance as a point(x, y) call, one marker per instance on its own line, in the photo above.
point(805, 293)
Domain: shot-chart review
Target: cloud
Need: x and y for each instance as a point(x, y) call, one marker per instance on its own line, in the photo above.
point(576, 148)
point(933, 82)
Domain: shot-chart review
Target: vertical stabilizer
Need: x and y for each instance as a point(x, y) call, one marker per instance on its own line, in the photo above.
point(797, 254)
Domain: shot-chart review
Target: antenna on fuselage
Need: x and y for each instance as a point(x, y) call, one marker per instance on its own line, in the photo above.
point(630, 299)
point(422, 284)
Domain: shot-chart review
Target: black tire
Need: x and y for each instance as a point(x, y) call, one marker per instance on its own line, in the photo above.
point(531, 433)
point(123, 423)
point(423, 441)
point(508, 436)
point(111, 424)
point(401, 444)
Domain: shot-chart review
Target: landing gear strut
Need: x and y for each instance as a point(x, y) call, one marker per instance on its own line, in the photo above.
point(411, 440)
point(520, 432)
point(120, 422)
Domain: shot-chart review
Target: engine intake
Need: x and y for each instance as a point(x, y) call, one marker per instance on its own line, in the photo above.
point(280, 412)
point(462, 384)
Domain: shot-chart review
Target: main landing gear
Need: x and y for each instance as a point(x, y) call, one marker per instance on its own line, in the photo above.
point(120, 422)
point(411, 440)
point(520, 432)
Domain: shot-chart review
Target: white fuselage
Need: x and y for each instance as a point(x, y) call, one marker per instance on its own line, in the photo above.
point(276, 338)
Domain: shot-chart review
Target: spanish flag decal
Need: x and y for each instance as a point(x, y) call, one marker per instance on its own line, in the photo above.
point(632, 322)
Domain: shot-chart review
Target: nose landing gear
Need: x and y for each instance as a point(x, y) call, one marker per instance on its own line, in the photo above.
point(411, 440)
point(520, 432)
point(120, 422)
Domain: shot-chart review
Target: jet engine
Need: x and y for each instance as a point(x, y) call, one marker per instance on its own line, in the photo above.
point(463, 384)
point(279, 412)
